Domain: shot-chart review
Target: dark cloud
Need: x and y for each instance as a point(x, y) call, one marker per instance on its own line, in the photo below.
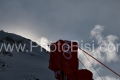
point(61, 19)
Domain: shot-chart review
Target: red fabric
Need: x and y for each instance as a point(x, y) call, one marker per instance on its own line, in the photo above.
point(84, 74)
point(63, 57)
point(58, 56)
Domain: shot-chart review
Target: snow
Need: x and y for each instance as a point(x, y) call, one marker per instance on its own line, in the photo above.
point(24, 65)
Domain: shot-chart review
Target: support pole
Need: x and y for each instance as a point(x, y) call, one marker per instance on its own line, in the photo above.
point(63, 76)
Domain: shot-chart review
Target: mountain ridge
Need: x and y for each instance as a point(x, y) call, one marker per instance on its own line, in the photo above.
point(23, 65)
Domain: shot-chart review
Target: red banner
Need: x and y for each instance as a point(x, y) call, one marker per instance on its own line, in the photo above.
point(63, 57)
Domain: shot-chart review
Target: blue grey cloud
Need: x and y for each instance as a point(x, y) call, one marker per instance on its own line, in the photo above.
point(60, 19)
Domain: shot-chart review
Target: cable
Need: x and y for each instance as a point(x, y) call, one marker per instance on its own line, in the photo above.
point(100, 63)
point(93, 66)
point(82, 63)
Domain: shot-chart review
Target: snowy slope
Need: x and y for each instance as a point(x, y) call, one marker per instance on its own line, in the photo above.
point(23, 65)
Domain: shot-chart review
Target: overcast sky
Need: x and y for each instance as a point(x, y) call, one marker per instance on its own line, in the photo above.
point(60, 19)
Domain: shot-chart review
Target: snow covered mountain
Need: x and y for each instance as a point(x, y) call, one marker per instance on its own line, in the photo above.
point(22, 59)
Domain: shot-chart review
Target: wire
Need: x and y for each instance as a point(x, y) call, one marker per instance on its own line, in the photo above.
point(100, 63)
point(82, 63)
point(93, 66)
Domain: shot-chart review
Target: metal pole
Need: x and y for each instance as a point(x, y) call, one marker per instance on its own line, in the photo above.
point(63, 76)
